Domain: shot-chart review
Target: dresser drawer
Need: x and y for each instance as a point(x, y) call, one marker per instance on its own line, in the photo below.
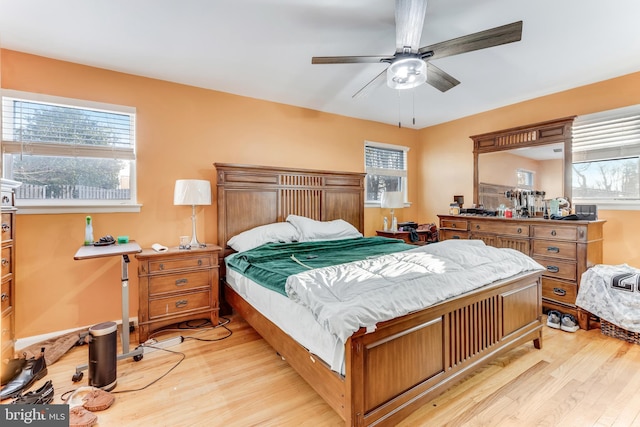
point(519, 230)
point(7, 328)
point(554, 249)
point(180, 263)
point(7, 261)
point(557, 268)
point(556, 290)
point(7, 198)
point(179, 304)
point(555, 232)
point(7, 226)
point(6, 298)
point(452, 234)
point(451, 223)
point(162, 284)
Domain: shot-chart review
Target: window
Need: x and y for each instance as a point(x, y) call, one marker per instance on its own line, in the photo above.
point(606, 158)
point(386, 168)
point(524, 178)
point(68, 154)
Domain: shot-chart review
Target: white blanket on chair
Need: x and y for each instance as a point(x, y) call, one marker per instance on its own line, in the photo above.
point(612, 292)
point(346, 297)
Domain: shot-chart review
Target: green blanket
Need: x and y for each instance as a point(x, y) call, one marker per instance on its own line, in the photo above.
point(269, 265)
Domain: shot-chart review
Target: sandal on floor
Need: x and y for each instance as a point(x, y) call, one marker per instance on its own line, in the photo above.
point(91, 398)
point(553, 319)
point(569, 323)
point(41, 396)
point(80, 417)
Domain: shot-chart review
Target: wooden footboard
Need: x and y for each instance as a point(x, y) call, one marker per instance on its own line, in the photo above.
point(408, 361)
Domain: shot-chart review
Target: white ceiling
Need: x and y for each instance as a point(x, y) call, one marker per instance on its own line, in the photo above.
point(263, 48)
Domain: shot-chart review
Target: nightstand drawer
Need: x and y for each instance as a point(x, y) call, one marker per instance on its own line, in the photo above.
point(7, 262)
point(7, 226)
point(179, 304)
point(181, 263)
point(554, 249)
point(7, 328)
point(162, 284)
point(6, 295)
point(452, 234)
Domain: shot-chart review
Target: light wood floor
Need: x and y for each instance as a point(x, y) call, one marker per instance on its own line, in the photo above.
point(580, 379)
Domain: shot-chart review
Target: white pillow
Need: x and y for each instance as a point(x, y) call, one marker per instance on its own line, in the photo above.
point(270, 233)
point(310, 229)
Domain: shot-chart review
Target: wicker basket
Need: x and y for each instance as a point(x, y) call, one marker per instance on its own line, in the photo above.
point(615, 331)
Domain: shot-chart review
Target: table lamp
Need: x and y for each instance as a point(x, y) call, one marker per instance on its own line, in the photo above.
point(192, 192)
point(392, 200)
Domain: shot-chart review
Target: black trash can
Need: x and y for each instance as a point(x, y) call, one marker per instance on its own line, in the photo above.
point(103, 355)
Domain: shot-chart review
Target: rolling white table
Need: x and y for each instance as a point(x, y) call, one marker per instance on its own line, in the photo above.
point(123, 250)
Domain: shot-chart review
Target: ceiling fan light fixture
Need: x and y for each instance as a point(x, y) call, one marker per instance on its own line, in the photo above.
point(406, 73)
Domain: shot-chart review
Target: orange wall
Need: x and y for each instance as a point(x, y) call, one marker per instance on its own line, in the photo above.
point(181, 132)
point(446, 166)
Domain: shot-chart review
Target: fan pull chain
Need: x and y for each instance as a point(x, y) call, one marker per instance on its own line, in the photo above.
point(399, 121)
point(413, 101)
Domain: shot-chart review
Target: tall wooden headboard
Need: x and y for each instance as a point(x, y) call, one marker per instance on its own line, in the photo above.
point(249, 196)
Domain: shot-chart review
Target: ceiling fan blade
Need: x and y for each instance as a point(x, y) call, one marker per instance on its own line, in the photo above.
point(377, 80)
point(493, 37)
point(349, 59)
point(409, 21)
point(440, 79)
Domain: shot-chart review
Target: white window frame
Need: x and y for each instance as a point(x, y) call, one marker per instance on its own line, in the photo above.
point(388, 172)
point(621, 147)
point(49, 206)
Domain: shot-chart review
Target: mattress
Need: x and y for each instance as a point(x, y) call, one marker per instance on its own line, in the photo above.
point(294, 319)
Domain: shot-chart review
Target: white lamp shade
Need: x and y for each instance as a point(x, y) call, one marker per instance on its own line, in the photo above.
point(392, 200)
point(192, 192)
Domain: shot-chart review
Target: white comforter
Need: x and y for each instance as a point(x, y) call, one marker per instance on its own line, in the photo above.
point(345, 297)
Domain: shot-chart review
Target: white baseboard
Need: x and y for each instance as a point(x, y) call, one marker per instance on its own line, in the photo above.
point(26, 342)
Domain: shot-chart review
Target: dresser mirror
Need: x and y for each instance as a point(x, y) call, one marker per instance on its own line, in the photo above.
point(534, 158)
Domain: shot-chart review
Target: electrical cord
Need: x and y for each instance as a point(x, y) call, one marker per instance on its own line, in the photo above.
point(200, 327)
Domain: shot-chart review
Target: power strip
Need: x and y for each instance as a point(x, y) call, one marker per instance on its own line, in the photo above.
point(152, 345)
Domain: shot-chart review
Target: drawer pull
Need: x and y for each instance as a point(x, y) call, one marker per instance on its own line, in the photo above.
point(453, 226)
point(5, 227)
point(161, 266)
point(553, 232)
point(4, 297)
point(559, 291)
point(455, 237)
point(181, 303)
point(181, 282)
point(5, 199)
point(519, 230)
point(5, 262)
point(477, 226)
point(199, 262)
point(554, 249)
point(552, 269)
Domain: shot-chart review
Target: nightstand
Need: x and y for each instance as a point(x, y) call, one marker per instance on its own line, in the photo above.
point(175, 286)
point(404, 235)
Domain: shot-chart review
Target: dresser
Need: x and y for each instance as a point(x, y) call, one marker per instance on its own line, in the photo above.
point(8, 269)
point(176, 286)
point(565, 248)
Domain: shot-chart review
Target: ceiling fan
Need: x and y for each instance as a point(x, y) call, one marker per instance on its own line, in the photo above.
point(410, 65)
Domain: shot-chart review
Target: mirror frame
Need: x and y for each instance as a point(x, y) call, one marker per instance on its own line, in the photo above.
point(550, 132)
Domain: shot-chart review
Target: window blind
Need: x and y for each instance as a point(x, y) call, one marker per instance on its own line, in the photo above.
point(52, 129)
point(607, 135)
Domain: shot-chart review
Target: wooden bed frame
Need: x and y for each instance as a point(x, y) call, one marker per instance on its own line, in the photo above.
point(405, 362)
